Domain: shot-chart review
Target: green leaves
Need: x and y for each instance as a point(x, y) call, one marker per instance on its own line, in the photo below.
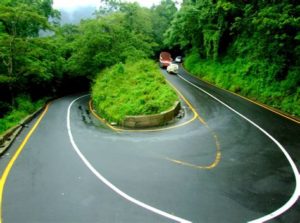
point(265, 35)
point(6, 80)
point(109, 39)
point(22, 20)
point(27, 63)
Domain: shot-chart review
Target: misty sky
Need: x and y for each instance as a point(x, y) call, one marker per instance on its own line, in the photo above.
point(72, 4)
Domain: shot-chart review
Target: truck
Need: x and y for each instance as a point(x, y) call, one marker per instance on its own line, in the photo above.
point(165, 59)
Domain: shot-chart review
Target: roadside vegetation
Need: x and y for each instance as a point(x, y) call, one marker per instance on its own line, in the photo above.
point(236, 76)
point(249, 47)
point(133, 88)
point(24, 107)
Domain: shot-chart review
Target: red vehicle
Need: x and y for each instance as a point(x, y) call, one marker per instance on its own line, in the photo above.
point(165, 59)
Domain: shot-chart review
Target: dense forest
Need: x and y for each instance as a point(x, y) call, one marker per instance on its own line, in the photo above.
point(34, 68)
point(251, 47)
point(248, 46)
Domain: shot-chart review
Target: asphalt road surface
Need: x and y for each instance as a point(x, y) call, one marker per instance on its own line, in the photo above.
point(226, 160)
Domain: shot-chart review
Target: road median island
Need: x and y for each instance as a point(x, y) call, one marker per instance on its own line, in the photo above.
point(134, 95)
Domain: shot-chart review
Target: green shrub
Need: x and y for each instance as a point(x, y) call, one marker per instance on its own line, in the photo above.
point(134, 88)
point(255, 79)
point(24, 106)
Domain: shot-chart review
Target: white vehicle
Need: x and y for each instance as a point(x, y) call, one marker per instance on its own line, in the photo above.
point(173, 68)
point(178, 59)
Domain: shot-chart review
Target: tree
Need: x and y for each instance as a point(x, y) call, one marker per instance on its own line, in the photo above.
point(125, 33)
point(264, 35)
point(162, 15)
point(18, 22)
point(201, 25)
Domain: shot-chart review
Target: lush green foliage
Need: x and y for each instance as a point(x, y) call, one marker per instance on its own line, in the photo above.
point(103, 42)
point(69, 59)
point(136, 88)
point(27, 62)
point(120, 32)
point(252, 47)
point(24, 107)
point(235, 75)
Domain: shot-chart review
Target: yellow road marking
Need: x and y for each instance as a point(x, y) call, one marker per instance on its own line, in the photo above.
point(218, 147)
point(185, 100)
point(207, 167)
point(15, 157)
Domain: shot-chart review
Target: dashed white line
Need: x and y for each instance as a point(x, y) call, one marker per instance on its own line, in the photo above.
point(296, 193)
point(107, 182)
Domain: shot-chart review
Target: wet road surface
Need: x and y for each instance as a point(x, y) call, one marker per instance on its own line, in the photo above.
point(216, 168)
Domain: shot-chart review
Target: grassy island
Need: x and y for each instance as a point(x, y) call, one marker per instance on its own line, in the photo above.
point(134, 88)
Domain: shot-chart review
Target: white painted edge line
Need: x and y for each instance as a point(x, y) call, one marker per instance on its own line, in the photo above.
point(108, 183)
point(296, 193)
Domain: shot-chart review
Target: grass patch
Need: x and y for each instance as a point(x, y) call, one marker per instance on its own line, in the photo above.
point(24, 107)
point(254, 79)
point(134, 88)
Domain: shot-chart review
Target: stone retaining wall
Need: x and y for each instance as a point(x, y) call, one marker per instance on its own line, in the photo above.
point(144, 121)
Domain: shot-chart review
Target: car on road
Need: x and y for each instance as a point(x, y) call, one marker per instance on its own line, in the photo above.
point(178, 59)
point(165, 59)
point(173, 68)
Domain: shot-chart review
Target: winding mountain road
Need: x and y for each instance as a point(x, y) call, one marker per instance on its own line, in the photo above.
point(227, 160)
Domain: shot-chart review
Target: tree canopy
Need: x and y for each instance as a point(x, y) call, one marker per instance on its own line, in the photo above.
point(264, 35)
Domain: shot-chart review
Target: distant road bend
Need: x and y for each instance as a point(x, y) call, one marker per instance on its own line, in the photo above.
point(227, 160)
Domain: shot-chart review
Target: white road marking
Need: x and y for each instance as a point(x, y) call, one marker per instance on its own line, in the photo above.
point(296, 193)
point(108, 183)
